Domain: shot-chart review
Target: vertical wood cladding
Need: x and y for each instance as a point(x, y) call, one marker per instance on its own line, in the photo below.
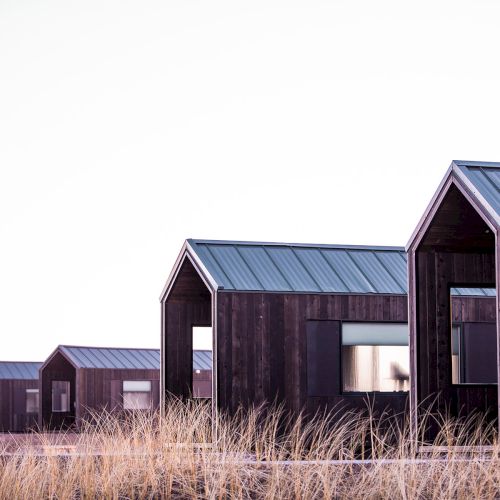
point(436, 272)
point(262, 352)
point(91, 390)
point(59, 368)
point(179, 318)
point(13, 416)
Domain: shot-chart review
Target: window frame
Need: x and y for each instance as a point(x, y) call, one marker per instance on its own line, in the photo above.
point(461, 324)
point(341, 363)
point(150, 392)
point(32, 391)
point(68, 382)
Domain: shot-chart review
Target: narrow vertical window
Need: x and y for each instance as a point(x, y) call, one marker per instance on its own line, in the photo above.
point(60, 395)
point(31, 400)
point(202, 362)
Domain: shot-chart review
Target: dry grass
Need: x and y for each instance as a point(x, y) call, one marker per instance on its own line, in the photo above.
point(253, 456)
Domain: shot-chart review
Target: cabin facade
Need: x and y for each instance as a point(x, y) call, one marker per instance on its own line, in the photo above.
point(455, 369)
point(76, 381)
point(309, 326)
point(18, 395)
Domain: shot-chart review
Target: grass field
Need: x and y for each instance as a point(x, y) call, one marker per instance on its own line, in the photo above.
point(253, 456)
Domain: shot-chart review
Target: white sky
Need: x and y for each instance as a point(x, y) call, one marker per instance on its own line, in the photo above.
point(126, 127)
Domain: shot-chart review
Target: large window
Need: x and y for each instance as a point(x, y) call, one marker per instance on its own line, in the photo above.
point(137, 395)
point(60, 396)
point(473, 343)
point(202, 362)
point(31, 400)
point(375, 357)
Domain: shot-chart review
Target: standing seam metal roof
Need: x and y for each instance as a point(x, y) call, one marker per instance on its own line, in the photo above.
point(485, 180)
point(308, 268)
point(19, 370)
point(112, 357)
point(202, 360)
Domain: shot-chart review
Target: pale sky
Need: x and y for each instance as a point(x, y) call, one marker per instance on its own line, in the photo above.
point(126, 127)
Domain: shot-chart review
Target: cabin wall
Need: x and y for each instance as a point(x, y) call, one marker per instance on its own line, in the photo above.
point(179, 317)
point(262, 347)
point(58, 368)
point(436, 272)
point(102, 389)
point(13, 416)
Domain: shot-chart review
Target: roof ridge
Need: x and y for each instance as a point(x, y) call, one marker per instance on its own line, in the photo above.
point(100, 347)
point(307, 245)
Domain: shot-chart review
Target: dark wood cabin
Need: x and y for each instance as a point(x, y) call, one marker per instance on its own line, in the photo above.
point(18, 395)
point(309, 326)
point(456, 245)
point(76, 381)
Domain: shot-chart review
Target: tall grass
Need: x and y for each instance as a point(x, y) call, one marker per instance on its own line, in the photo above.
point(256, 454)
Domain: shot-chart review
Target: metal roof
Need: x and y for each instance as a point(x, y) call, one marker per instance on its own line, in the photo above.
point(304, 268)
point(307, 268)
point(19, 370)
point(202, 360)
point(112, 357)
point(483, 179)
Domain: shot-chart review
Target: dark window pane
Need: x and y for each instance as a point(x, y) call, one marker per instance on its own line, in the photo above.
point(323, 358)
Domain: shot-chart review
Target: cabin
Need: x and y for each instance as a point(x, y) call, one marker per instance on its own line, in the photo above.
point(453, 346)
point(77, 381)
point(311, 327)
point(18, 395)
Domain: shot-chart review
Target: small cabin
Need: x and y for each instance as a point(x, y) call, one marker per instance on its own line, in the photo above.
point(18, 395)
point(311, 327)
point(76, 381)
point(453, 345)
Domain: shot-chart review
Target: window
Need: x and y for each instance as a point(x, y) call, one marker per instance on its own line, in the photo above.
point(323, 354)
point(375, 357)
point(137, 394)
point(31, 400)
point(60, 396)
point(473, 344)
point(202, 362)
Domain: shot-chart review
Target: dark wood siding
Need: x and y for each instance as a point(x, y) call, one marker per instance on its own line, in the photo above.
point(58, 368)
point(262, 347)
point(436, 272)
point(92, 390)
point(102, 389)
point(179, 320)
point(13, 416)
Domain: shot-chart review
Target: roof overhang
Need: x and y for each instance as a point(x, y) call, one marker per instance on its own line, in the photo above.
point(187, 252)
point(454, 176)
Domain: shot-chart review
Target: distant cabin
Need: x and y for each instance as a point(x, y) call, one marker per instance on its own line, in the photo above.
point(18, 395)
point(454, 365)
point(76, 381)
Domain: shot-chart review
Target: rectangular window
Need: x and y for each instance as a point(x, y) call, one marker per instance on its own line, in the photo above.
point(202, 362)
point(137, 394)
point(473, 344)
point(60, 396)
point(375, 357)
point(31, 400)
point(323, 355)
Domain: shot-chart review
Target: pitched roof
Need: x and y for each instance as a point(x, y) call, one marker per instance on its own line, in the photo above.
point(202, 360)
point(19, 370)
point(302, 268)
point(483, 180)
point(112, 357)
point(305, 268)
